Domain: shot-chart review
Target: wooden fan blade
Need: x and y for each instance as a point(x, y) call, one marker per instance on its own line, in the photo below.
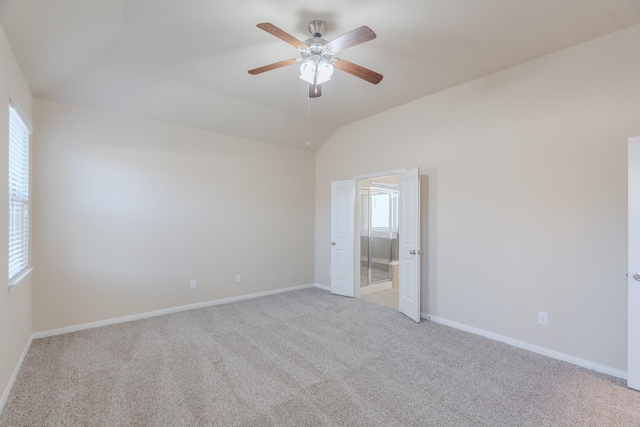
point(357, 70)
point(273, 66)
point(282, 35)
point(315, 91)
point(352, 38)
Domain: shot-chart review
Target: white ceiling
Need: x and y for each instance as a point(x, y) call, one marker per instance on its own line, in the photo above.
point(186, 61)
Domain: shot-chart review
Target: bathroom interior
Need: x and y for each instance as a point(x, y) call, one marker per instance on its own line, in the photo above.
point(378, 226)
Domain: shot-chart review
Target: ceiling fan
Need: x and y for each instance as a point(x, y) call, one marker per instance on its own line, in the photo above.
point(317, 62)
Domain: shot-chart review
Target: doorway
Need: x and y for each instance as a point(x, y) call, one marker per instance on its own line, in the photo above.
point(377, 222)
point(346, 266)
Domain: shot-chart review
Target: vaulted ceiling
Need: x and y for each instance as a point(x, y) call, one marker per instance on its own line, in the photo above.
point(186, 61)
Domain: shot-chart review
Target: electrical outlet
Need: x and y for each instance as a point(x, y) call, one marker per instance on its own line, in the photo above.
point(543, 317)
point(194, 283)
point(238, 278)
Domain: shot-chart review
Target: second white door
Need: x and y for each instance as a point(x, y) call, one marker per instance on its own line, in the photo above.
point(633, 327)
point(409, 251)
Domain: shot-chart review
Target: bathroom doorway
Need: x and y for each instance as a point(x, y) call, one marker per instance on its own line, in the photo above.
point(377, 225)
point(346, 226)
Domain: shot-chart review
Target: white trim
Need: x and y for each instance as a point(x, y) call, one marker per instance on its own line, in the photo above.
point(7, 390)
point(534, 348)
point(323, 287)
point(379, 174)
point(170, 310)
point(17, 279)
point(22, 115)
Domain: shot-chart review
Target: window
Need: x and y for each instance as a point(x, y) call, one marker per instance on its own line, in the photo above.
point(19, 132)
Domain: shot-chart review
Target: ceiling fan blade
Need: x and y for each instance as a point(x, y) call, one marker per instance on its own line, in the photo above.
point(282, 35)
point(352, 38)
point(315, 91)
point(357, 70)
point(273, 66)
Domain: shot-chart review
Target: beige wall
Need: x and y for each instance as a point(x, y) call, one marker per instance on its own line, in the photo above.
point(15, 308)
point(128, 210)
point(527, 186)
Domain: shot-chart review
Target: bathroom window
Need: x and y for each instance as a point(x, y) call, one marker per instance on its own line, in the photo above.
point(380, 211)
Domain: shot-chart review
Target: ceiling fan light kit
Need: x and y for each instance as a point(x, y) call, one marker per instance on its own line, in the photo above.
point(316, 71)
point(317, 63)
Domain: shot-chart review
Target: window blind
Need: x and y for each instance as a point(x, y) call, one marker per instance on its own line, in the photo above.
point(18, 193)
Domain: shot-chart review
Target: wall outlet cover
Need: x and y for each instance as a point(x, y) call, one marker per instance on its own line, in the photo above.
point(543, 317)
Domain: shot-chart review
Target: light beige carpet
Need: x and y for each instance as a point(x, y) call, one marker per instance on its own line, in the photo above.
point(303, 358)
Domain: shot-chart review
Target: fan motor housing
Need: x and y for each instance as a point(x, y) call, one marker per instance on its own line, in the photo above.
point(317, 28)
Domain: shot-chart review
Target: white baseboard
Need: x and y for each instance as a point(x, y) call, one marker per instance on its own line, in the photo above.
point(7, 390)
point(323, 287)
point(81, 327)
point(534, 348)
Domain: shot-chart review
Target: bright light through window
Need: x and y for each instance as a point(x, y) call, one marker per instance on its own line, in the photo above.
point(18, 193)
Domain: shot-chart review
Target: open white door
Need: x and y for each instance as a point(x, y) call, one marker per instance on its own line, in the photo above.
point(633, 346)
point(409, 247)
point(342, 238)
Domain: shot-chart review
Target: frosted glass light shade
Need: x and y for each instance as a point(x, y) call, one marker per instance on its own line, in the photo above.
point(316, 73)
point(324, 71)
point(308, 71)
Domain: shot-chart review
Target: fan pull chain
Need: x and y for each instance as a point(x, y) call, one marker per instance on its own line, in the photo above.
point(308, 123)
